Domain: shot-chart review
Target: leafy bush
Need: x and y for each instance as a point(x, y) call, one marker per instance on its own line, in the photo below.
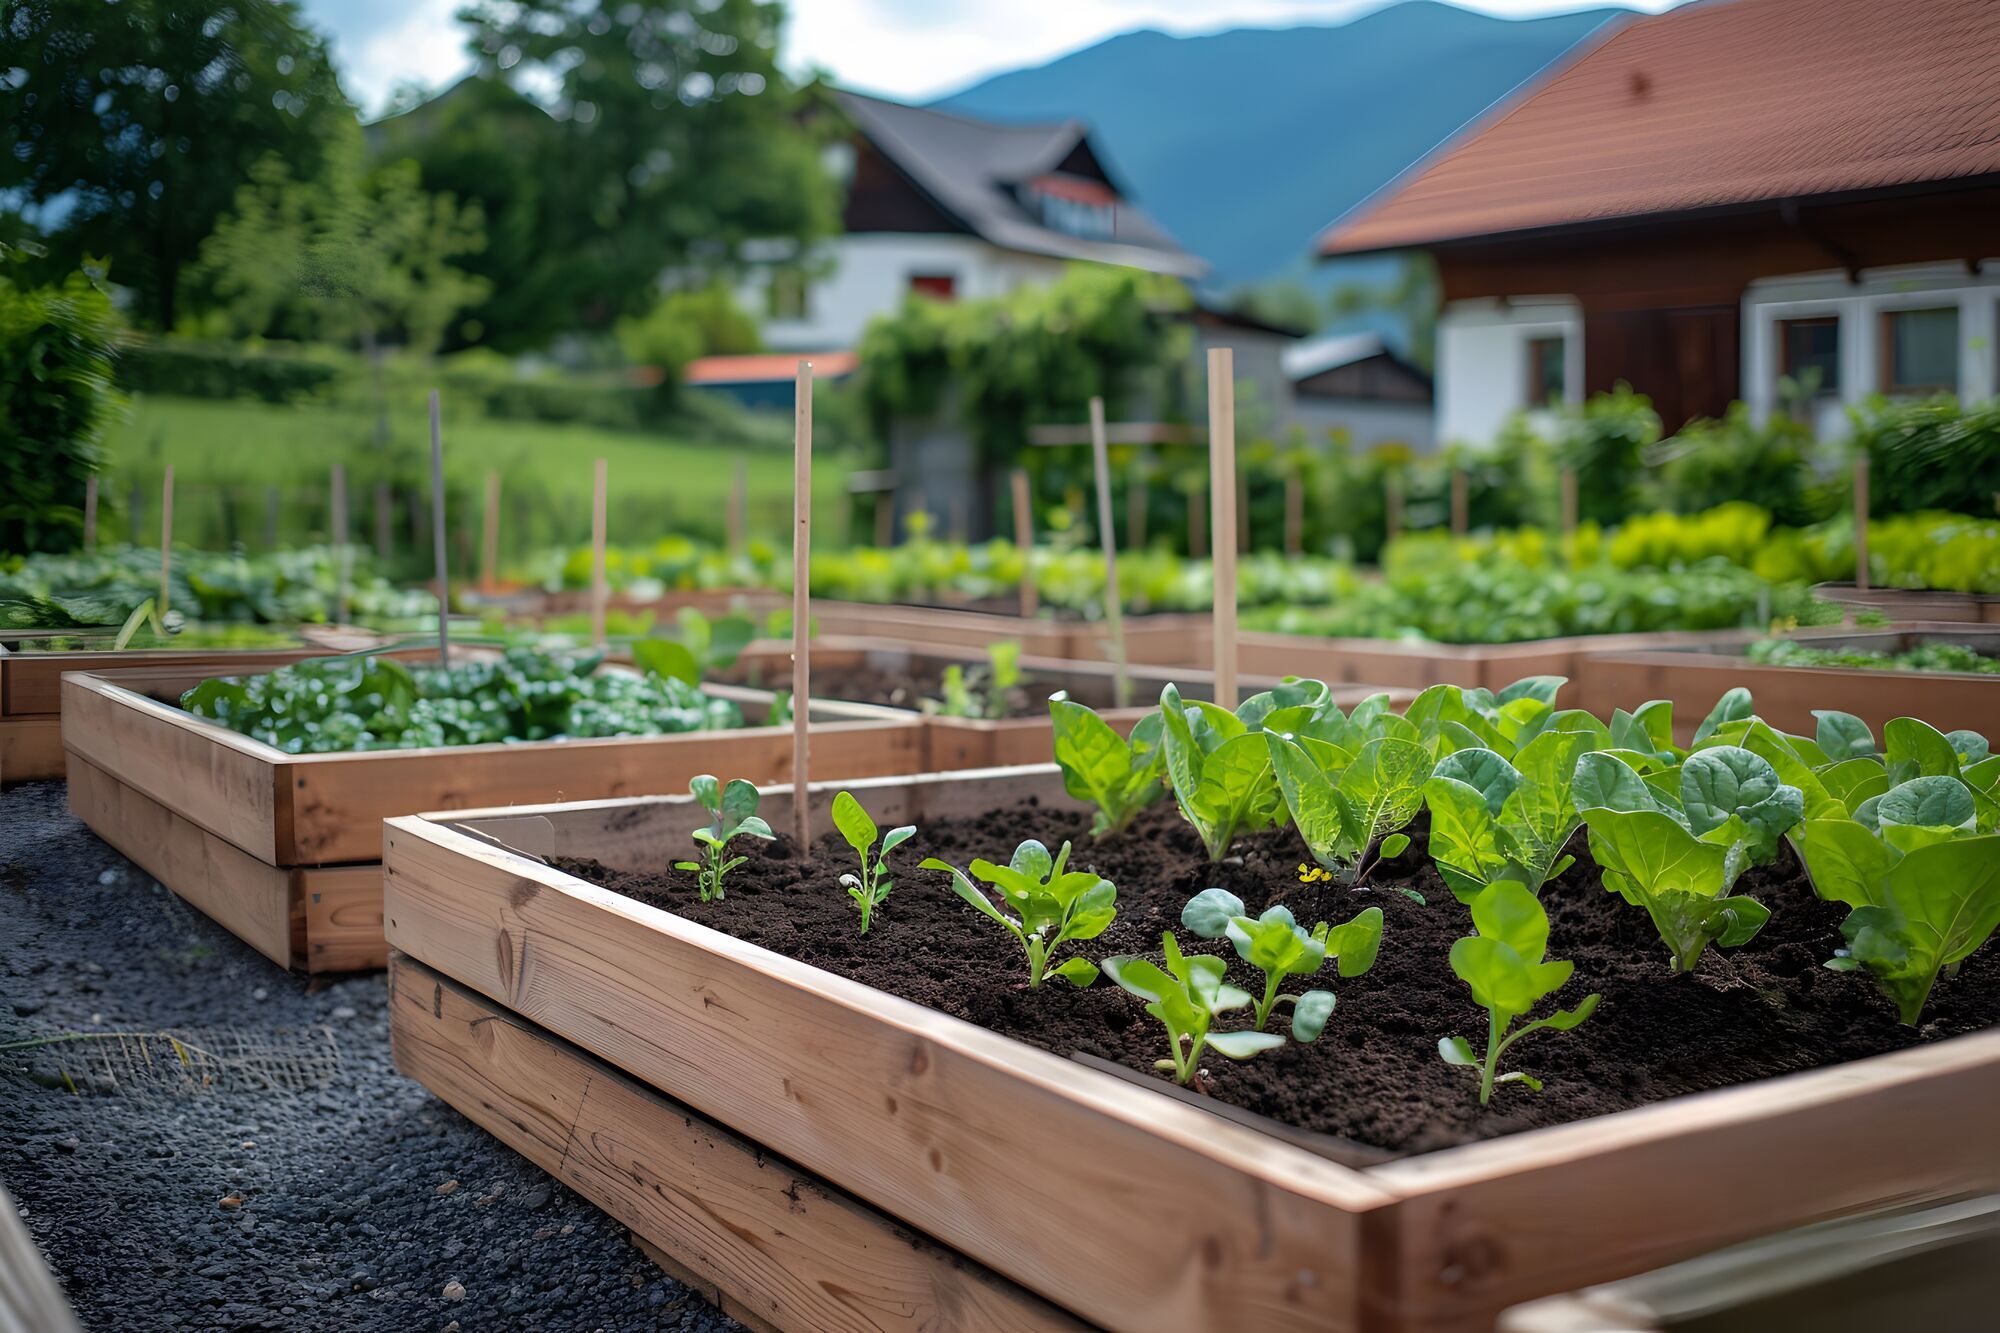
point(1604, 443)
point(56, 398)
point(1941, 656)
point(190, 369)
point(1930, 454)
point(1739, 460)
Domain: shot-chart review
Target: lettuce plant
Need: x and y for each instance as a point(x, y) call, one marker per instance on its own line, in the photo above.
point(732, 810)
point(702, 647)
point(1052, 905)
point(1349, 808)
point(1923, 883)
point(1505, 965)
point(1452, 717)
point(1277, 946)
point(1220, 770)
point(1492, 820)
point(981, 692)
point(1118, 776)
point(1187, 996)
point(871, 886)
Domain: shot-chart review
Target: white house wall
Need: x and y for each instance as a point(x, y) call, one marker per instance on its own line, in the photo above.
point(1482, 361)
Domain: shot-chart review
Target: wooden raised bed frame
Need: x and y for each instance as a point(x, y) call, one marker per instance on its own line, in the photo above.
point(285, 850)
point(1119, 1205)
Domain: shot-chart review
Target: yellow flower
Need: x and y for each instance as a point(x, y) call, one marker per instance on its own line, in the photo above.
point(1312, 874)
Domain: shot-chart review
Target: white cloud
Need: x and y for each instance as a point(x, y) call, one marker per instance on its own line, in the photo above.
point(419, 41)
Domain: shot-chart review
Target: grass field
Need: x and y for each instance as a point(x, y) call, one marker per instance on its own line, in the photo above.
point(240, 465)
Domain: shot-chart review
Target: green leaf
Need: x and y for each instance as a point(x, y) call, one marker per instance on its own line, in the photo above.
point(964, 888)
point(1843, 735)
point(897, 837)
point(1140, 977)
point(1971, 746)
point(1498, 977)
point(1394, 846)
point(1457, 1051)
point(1930, 802)
point(1846, 863)
point(1325, 821)
point(1540, 688)
point(1733, 706)
point(853, 822)
point(1727, 780)
point(1209, 913)
point(1243, 1045)
point(1917, 749)
point(1465, 841)
point(1942, 902)
point(1079, 972)
point(1384, 785)
point(1484, 771)
point(739, 803)
point(1509, 913)
point(707, 791)
point(1098, 764)
point(1310, 1015)
point(1605, 783)
point(668, 659)
point(1852, 781)
point(1355, 943)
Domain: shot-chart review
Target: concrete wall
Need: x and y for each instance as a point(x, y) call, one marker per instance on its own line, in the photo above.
point(1482, 361)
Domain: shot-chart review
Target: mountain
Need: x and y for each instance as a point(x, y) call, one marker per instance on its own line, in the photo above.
point(1245, 144)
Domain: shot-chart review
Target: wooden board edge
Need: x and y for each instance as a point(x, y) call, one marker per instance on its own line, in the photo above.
point(342, 912)
point(31, 748)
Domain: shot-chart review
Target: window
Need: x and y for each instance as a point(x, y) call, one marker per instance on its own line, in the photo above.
point(937, 286)
point(1920, 351)
point(1545, 371)
point(1809, 353)
point(789, 295)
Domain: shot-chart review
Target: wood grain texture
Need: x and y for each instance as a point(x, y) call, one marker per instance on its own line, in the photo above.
point(776, 1246)
point(251, 900)
point(30, 747)
point(1192, 1222)
point(31, 683)
point(343, 918)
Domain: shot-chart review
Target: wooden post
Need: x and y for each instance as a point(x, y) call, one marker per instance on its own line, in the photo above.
point(1135, 507)
point(489, 537)
point(600, 589)
point(166, 534)
point(739, 505)
point(90, 512)
point(1392, 498)
point(802, 472)
point(437, 534)
point(1114, 609)
point(1024, 541)
point(385, 517)
point(1460, 509)
point(1198, 523)
point(1861, 523)
point(1569, 502)
point(343, 553)
point(1295, 514)
point(1222, 483)
point(885, 517)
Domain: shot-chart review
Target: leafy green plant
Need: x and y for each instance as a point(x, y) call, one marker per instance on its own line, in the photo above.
point(1277, 946)
point(1492, 820)
point(1187, 996)
point(732, 810)
point(1220, 769)
point(703, 646)
point(981, 692)
point(1119, 777)
point(872, 885)
point(1052, 905)
point(1349, 809)
point(1506, 966)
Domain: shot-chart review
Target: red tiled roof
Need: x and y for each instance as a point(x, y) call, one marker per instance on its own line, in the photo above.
point(1717, 103)
point(759, 367)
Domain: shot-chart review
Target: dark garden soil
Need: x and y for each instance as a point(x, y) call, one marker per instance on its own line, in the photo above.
point(1765, 1009)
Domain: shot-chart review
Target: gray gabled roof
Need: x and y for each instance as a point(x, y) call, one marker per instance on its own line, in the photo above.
point(968, 168)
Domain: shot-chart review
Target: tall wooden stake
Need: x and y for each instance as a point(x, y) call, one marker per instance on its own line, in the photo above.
point(1861, 523)
point(1198, 523)
point(1024, 541)
point(1295, 514)
point(802, 475)
point(90, 513)
point(1392, 501)
point(885, 517)
point(343, 553)
point(166, 534)
point(1569, 502)
point(438, 534)
point(1460, 509)
point(1222, 487)
point(600, 588)
point(489, 537)
point(739, 505)
point(1114, 609)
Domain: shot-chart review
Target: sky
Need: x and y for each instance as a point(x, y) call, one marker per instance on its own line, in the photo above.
point(910, 49)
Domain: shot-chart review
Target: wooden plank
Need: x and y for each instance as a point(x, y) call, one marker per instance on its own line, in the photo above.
point(772, 1245)
point(30, 747)
point(1484, 1227)
point(343, 918)
point(943, 627)
point(31, 683)
point(940, 1123)
point(251, 900)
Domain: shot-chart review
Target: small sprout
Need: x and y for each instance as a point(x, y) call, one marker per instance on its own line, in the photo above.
point(1275, 945)
point(1503, 964)
point(871, 886)
point(732, 810)
point(1187, 997)
point(1054, 905)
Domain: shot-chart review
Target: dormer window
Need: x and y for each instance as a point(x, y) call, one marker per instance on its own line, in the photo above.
point(1073, 205)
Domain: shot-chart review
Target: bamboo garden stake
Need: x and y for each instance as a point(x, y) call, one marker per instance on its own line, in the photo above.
point(1569, 502)
point(438, 535)
point(343, 553)
point(802, 472)
point(1861, 523)
point(166, 534)
point(600, 590)
point(1024, 541)
point(90, 512)
point(1114, 611)
point(489, 537)
point(1222, 489)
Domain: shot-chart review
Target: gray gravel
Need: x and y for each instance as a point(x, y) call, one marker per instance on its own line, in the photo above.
point(307, 1185)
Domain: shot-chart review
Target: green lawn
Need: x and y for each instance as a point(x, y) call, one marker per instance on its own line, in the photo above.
point(231, 457)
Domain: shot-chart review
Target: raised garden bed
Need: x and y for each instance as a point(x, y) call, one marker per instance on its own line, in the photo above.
point(285, 849)
point(1384, 1200)
point(1694, 676)
point(1907, 606)
point(1160, 640)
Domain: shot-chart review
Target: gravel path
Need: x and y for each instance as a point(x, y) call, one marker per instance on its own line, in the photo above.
point(307, 1185)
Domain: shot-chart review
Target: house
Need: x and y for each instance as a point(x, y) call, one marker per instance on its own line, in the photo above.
point(953, 207)
point(1705, 202)
point(763, 379)
point(1354, 384)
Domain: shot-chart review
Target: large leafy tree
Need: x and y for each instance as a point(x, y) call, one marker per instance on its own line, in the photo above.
point(126, 128)
point(670, 141)
point(56, 398)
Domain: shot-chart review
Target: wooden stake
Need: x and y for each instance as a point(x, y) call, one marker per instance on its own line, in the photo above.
point(1295, 514)
point(1114, 609)
point(802, 473)
point(1392, 497)
point(1024, 541)
point(600, 587)
point(90, 512)
point(1569, 502)
point(885, 517)
point(1198, 523)
point(489, 537)
point(1222, 484)
point(1861, 523)
point(437, 534)
point(739, 505)
point(1135, 508)
point(166, 534)
point(343, 553)
point(1460, 509)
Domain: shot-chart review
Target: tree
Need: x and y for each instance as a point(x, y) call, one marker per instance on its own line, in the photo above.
point(672, 141)
point(705, 321)
point(1411, 298)
point(128, 127)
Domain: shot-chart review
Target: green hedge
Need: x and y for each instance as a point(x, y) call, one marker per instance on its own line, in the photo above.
point(205, 370)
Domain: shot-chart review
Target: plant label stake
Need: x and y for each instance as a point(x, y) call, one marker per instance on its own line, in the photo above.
point(739, 505)
point(1114, 611)
point(1024, 539)
point(437, 535)
point(90, 512)
point(802, 471)
point(600, 590)
point(343, 554)
point(1861, 523)
point(489, 537)
point(1222, 489)
point(1460, 517)
point(166, 534)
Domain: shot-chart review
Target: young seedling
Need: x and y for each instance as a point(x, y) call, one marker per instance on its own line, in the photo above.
point(1118, 776)
point(871, 886)
point(702, 647)
point(981, 692)
point(1053, 905)
point(732, 810)
point(1504, 964)
point(1275, 945)
point(1187, 997)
